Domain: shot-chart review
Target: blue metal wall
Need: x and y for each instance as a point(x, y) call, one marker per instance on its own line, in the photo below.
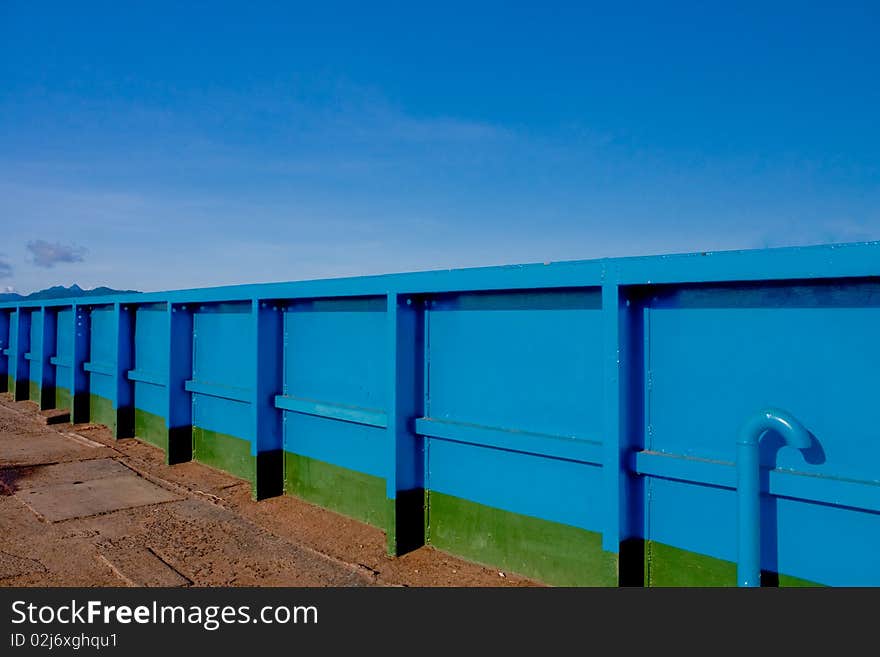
point(36, 347)
point(5, 350)
point(63, 361)
point(223, 370)
point(103, 352)
point(529, 410)
point(151, 354)
point(335, 373)
point(714, 354)
point(602, 396)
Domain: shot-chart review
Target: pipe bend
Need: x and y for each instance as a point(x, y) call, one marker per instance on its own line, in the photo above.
point(774, 419)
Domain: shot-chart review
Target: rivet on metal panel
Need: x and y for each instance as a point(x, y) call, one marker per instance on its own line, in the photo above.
point(409, 302)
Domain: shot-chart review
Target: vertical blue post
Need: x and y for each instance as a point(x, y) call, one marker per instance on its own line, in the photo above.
point(180, 369)
point(12, 352)
point(123, 388)
point(623, 411)
point(405, 488)
point(4, 350)
point(612, 465)
point(48, 343)
point(267, 448)
point(22, 346)
point(79, 378)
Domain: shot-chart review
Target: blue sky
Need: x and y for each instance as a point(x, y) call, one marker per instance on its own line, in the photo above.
point(148, 146)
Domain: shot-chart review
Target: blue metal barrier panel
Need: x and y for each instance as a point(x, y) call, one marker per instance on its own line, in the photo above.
point(149, 375)
point(335, 406)
point(222, 392)
point(694, 419)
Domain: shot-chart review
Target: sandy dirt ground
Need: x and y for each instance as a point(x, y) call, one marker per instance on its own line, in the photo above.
point(78, 508)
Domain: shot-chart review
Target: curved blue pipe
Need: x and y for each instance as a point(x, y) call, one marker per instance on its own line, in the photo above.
point(748, 571)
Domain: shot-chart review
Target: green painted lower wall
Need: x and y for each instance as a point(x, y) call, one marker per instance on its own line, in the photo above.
point(10, 383)
point(351, 493)
point(671, 566)
point(62, 398)
point(34, 391)
point(150, 428)
point(101, 411)
point(549, 551)
point(224, 452)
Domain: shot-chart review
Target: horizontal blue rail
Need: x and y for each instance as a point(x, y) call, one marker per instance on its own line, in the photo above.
point(367, 416)
point(232, 393)
point(561, 447)
point(100, 368)
point(852, 493)
point(147, 377)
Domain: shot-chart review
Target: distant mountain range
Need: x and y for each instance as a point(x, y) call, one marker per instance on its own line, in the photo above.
point(61, 292)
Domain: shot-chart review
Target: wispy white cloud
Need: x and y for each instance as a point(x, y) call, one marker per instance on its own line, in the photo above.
point(48, 254)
